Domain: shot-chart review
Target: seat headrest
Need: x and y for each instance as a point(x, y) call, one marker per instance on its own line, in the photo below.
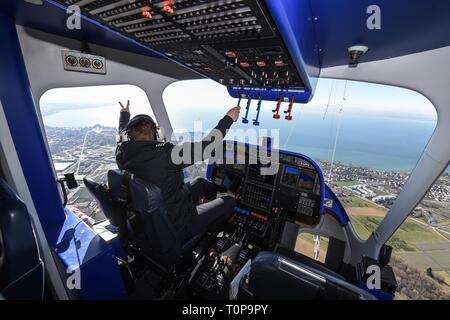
point(112, 209)
point(143, 195)
point(115, 179)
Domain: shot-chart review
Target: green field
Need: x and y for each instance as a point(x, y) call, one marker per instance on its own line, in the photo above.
point(440, 211)
point(362, 226)
point(417, 244)
point(444, 275)
point(310, 239)
point(403, 240)
point(347, 183)
point(379, 192)
point(356, 202)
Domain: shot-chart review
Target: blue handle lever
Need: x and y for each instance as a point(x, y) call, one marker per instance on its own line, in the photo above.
point(258, 110)
point(245, 119)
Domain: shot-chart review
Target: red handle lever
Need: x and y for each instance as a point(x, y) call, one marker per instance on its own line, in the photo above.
point(277, 110)
point(289, 112)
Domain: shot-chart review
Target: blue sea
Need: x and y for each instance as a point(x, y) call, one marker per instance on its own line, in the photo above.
point(376, 142)
point(371, 141)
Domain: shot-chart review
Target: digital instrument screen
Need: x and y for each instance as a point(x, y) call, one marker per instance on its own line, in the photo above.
point(290, 176)
point(307, 179)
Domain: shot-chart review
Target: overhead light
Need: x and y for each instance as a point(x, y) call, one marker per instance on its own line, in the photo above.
point(35, 2)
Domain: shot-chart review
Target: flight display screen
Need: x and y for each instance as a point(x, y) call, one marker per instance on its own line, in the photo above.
point(307, 180)
point(290, 176)
point(299, 178)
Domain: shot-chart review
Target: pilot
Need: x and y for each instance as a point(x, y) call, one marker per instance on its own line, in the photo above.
point(149, 159)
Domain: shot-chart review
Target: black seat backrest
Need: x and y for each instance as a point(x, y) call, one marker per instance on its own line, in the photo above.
point(21, 269)
point(113, 210)
point(277, 277)
point(141, 206)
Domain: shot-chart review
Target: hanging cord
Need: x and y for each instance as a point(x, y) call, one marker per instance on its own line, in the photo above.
point(293, 126)
point(341, 112)
point(329, 99)
point(333, 122)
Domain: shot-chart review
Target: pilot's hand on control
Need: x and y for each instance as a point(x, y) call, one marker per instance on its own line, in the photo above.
point(125, 109)
point(234, 113)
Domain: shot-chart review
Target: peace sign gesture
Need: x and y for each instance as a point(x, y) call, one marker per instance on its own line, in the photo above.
point(127, 108)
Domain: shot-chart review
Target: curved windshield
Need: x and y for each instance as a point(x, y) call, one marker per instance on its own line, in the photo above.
point(367, 138)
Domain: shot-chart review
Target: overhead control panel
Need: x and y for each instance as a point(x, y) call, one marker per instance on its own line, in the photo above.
point(234, 42)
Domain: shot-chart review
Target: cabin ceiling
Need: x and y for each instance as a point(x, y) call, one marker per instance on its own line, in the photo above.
point(407, 27)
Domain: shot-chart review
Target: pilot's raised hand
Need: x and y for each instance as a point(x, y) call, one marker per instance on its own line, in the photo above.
point(234, 113)
point(125, 109)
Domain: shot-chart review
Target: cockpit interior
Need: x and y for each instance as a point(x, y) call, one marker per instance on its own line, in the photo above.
point(268, 56)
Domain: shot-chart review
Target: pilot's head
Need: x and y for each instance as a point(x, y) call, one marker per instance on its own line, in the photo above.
point(142, 128)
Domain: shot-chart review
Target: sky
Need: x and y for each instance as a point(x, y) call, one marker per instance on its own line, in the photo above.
point(207, 100)
point(88, 106)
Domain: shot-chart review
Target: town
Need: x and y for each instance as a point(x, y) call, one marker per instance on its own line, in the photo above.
point(91, 152)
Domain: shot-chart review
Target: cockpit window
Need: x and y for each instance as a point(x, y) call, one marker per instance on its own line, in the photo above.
point(81, 127)
point(421, 246)
point(312, 246)
point(366, 137)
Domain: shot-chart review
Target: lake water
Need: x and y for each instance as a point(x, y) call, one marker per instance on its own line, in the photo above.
point(382, 143)
point(372, 141)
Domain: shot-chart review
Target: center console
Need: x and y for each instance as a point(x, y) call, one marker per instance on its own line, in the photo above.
point(265, 203)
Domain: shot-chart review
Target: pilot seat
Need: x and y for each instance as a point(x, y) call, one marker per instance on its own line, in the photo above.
point(137, 209)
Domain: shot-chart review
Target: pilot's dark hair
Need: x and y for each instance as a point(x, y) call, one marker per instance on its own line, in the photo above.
point(142, 127)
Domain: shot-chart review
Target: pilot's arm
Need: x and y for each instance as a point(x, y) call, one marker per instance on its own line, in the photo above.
point(197, 149)
point(124, 116)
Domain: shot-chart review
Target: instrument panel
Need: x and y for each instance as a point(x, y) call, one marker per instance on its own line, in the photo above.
point(296, 188)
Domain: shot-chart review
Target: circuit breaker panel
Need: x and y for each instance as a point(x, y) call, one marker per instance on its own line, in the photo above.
point(234, 42)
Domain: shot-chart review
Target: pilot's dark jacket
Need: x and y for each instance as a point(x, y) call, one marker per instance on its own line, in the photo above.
point(152, 162)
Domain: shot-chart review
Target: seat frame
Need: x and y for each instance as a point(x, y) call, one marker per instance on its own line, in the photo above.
point(117, 205)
